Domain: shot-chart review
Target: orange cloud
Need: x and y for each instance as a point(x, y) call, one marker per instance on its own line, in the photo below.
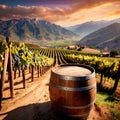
point(115, 13)
point(88, 4)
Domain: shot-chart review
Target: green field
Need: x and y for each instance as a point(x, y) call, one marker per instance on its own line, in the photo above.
point(59, 43)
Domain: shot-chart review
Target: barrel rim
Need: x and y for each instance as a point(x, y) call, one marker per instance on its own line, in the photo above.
point(66, 77)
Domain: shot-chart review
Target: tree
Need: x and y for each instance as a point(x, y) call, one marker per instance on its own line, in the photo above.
point(117, 80)
point(114, 53)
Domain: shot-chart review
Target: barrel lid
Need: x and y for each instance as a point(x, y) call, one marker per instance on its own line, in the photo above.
point(74, 71)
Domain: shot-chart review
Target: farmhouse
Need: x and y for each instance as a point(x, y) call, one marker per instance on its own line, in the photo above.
point(72, 47)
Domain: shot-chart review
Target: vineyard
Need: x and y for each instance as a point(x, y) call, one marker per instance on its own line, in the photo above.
point(106, 68)
point(17, 60)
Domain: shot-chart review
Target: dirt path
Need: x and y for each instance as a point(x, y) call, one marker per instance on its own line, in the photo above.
point(27, 105)
point(35, 104)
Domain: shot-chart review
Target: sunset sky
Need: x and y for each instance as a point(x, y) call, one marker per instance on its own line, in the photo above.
point(61, 12)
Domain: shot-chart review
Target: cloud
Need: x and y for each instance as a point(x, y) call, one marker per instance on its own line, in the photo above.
point(117, 12)
point(55, 14)
point(30, 11)
point(88, 4)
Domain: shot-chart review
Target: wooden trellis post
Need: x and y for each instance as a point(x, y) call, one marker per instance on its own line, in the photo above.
point(7, 63)
point(3, 76)
point(117, 79)
point(10, 69)
point(32, 73)
point(23, 75)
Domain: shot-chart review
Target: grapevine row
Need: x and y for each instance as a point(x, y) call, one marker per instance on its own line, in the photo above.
point(16, 58)
point(105, 67)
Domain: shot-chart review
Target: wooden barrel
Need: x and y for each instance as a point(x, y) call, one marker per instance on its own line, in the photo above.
point(73, 90)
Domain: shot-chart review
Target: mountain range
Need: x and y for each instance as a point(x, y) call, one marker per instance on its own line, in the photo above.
point(91, 26)
point(104, 35)
point(107, 38)
point(25, 29)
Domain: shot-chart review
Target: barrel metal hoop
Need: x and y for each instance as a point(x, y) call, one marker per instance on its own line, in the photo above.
point(72, 89)
point(79, 107)
point(81, 115)
point(72, 78)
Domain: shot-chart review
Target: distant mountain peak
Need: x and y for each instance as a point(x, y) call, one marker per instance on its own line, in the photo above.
point(91, 26)
point(107, 37)
point(34, 29)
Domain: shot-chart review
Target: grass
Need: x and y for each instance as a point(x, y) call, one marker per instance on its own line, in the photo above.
point(105, 99)
point(110, 102)
point(64, 43)
point(59, 43)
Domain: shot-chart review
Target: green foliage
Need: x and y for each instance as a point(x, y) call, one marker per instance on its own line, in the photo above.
point(3, 49)
point(107, 67)
point(25, 57)
point(79, 49)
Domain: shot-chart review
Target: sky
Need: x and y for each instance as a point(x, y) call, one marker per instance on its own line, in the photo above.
point(62, 12)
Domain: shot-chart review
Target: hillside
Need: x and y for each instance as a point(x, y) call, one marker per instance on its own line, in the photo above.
point(91, 26)
point(107, 38)
point(90, 50)
point(112, 44)
point(32, 29)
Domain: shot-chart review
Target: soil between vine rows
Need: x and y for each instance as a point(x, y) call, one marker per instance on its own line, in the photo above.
point(33, 103)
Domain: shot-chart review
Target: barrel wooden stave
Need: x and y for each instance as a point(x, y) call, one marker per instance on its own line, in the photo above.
point(72, 97)
point(72, 112)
